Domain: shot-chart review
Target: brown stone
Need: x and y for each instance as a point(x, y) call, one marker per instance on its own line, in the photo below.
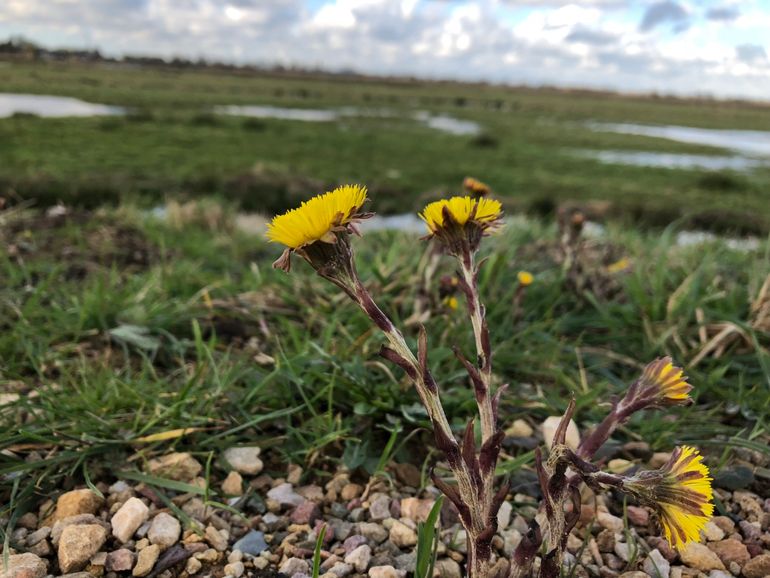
point(23, 566)
point(351, 491)
point(758, 567)
point(146, 560)
point(408, 474)
point(177, 466)
point(233, 484)
point(605, 541)
point(77, 544)
point(121, 560)
point(77, 502)
point(699, 556)
point(724, 523)
point(638, 516)
point(730, 550)
point(416, 509)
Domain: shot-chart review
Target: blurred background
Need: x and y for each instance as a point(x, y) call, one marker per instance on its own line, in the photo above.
point(638, 110)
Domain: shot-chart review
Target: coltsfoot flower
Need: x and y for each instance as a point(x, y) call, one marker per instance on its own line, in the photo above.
point(460, 222)
point(318, 218)
point(680, 493)
point(475, 187)
point(664, 384)
point(316, 229)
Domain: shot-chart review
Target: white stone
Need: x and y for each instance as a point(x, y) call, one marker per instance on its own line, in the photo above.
point(402, 535)
point(164, 530)
point(386, 572)
point(504, 515)
point(244, 460)
point(712, 532)
point(234, 569)
point(360, 558)
point(519, 429)
point(294, 566)
point(657, 565)
point(128, 518)
point(610, 522)
point(285, 495)
point(549, 426)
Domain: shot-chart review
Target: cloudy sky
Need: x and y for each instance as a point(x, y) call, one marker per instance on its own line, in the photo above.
point(716, 47)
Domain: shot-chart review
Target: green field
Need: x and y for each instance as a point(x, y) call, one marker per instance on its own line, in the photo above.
point(115, 326)
point(171, 144)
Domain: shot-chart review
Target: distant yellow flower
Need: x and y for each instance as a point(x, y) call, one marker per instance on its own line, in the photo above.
point(318, 218)
point(525, 278)
point(619, 266)
point(665, 383)
point(452, 302)
point(476, 187)
point(681, 494)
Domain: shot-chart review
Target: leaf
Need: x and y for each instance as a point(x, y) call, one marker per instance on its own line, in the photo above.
point(162, 483)
point(167, 435)
point(356, 454)
point(427, 542)
point(317, 553)
point(135, 335)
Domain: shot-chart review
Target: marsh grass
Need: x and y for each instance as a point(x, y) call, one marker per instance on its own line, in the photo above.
point(205, 335)
point(170, 143)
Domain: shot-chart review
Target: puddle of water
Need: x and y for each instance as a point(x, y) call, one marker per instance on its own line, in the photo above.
point(52, 106)
point(747, 142)
point(407, 223)
point(694, 238)
point(675, 161)
point(449, 124)
point(443, 123)
point(303, 114)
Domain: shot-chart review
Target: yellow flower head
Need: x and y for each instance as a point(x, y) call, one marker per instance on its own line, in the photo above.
point(681, 494)
point(525, 278)
point(619, 266)
point(318, 218)
point(451, 302)
point(459, 211)
point(475, 187)
point(664, 383)
point(460, 222)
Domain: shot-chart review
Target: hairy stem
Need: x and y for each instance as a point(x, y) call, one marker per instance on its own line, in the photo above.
point(476, 497)
point(483, 353)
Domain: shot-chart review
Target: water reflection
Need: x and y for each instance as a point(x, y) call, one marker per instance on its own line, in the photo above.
point(443, 123)
point(747, 142)
point(676, 161)
point(52, 106)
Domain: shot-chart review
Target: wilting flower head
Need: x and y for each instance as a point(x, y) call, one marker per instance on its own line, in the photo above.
point(525, 278)
point(475, 187)
point(661, 384)
point(680, 493)
point(318, 231)
point(460, 222)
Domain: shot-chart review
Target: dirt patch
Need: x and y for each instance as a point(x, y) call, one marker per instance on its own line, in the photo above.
point(79, 241)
